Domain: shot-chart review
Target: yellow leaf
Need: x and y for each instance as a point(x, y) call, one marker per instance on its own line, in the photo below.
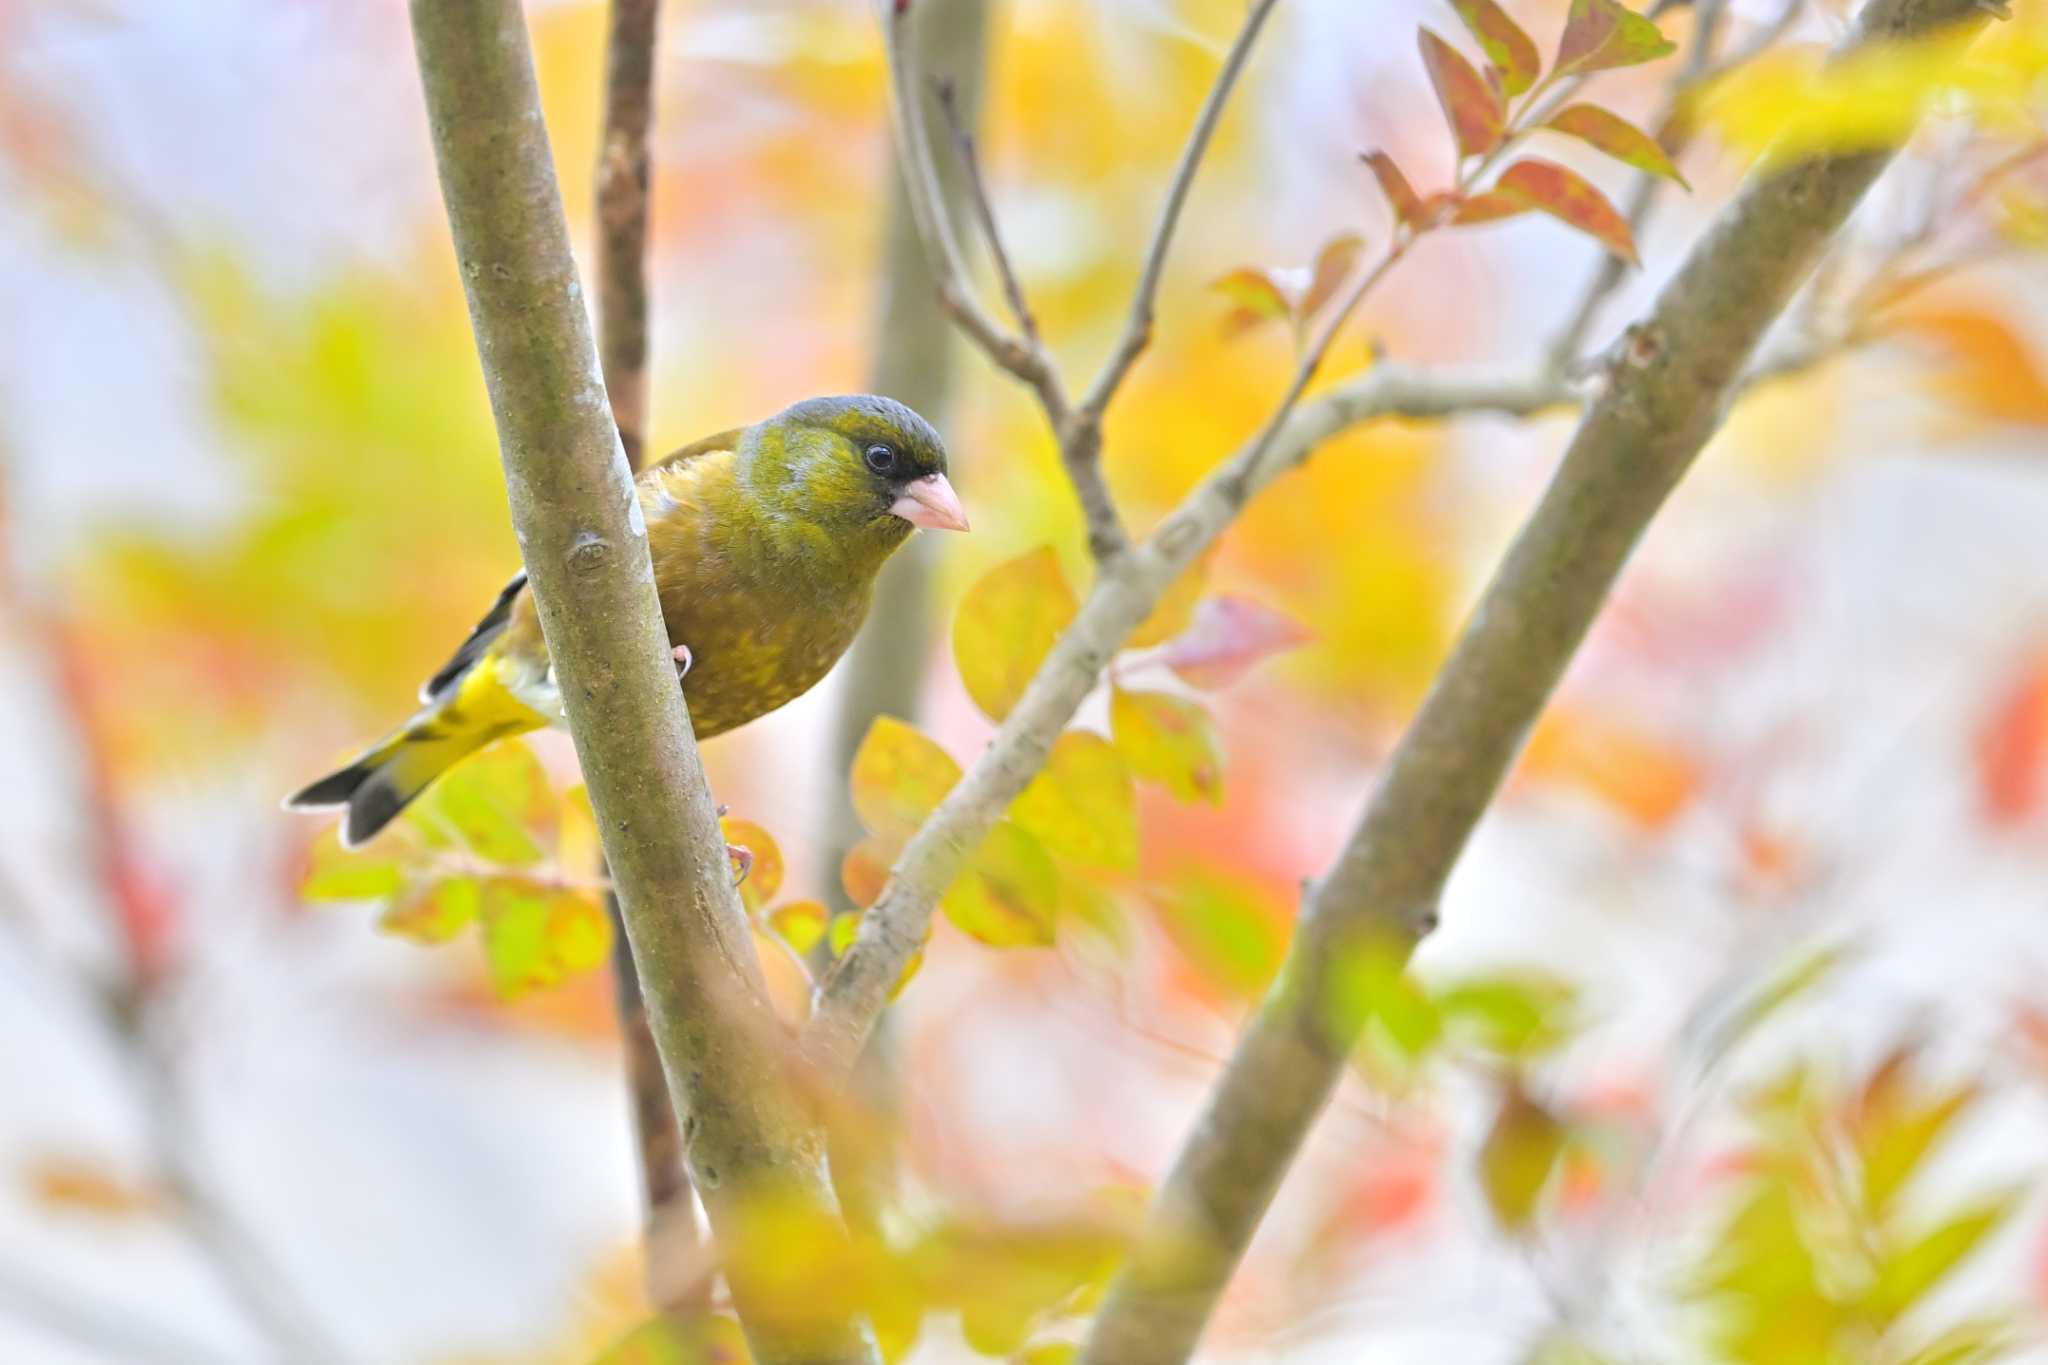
point(1009, 895)
point(1792, 103)
point(337, 874)
point(1169, 740)
point(898, 777)
point(1006, 626)
point(579, 849)
point(434, 913)
point(535, 937)
point(1082, 806)
point(764, 877)
point(1990, 370)
point(1176, 607)
point(840, 935)
point(800, 924)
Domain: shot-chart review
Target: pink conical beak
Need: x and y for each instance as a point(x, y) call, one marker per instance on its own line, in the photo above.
point(932, 504)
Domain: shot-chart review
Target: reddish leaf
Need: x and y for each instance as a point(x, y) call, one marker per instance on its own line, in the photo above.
point(1490, 207)
point(1615, 136)
point(1600, 35)
point(1473, 107)
point(1511, 51)
point(1566, 196)
point(1227, 636)
point(1401, 197)
point(1334, 263)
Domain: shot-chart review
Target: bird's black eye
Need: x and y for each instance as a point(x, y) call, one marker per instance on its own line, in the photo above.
point(880, 458)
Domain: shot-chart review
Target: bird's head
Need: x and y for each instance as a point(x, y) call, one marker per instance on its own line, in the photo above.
point(861, 467)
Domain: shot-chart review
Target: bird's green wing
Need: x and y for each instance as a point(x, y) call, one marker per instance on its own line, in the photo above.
point(724, 440)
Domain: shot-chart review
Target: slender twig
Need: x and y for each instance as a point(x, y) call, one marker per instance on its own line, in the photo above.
point(1664, 398)
point(755, 1151)
point(984, 212)
point(1137, 334)
point(674, 1241)
point(622, 199)
point(927, 197)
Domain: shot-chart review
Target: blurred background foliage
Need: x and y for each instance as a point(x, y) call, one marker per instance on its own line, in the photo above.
point(1732, 1046)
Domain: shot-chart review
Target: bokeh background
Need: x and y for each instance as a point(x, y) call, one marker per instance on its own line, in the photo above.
point(1739, 991)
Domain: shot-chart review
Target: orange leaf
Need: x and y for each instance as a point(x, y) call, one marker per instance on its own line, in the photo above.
point(1401, 197)
point(1615, 136)
point(1474, 108)
point(865, 871)
point(1646, 780)
point(1489, 207)
point(1566, 196)
point(2012, 748)
point(764, 874)
point(1991, 371)
point(1512, 52)
point(63, 1182)
point(1600, 35)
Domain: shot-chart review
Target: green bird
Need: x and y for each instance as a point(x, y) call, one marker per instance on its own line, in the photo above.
point(766, 542)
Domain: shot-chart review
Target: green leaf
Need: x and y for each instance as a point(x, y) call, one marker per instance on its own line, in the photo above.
point(1512, 52)
point(1082, 805)
point(1255, 297)
point(898, 777)
point(1518, 1015)
point(336, 874)
point(536, 936)
point(1007, 624)
point(1910, 1272)
point(499, 803)
point(1167, 740)
point(1009, 895)
point(1600, 35)
point(1969, 1343)
point(435, 913)
point(1518, 1157)
point(1228, 928)
point(1472, 106)
point(1615, 136)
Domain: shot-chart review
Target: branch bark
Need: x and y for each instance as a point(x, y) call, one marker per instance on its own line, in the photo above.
point(677, 1262)
point(753, 1150)
point(1123, 596)
point(1664, 398)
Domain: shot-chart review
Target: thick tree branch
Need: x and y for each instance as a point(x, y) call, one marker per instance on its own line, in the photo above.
point(675, 1255)
point(752, 1149)
point(1664, 398)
